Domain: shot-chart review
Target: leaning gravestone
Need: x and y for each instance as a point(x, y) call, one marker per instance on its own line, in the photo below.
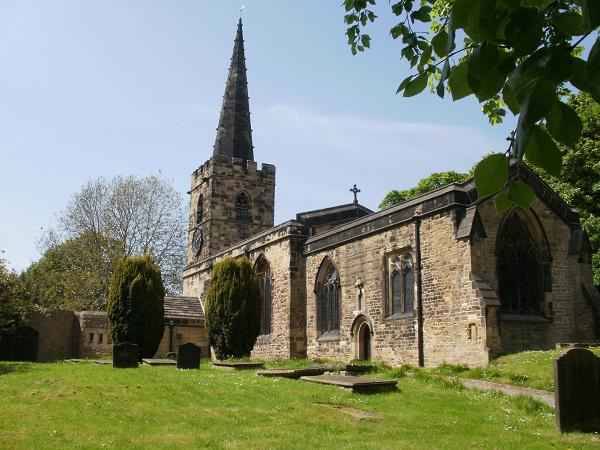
point(188, 356)
point(577, 390)
point(126, 355)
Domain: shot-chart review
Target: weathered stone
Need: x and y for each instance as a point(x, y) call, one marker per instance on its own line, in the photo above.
point(577, 390)
point(158, 362)
point(238, 365)
point(291, 373)
point(355, 384)
point(188, 356)
point(125, 355)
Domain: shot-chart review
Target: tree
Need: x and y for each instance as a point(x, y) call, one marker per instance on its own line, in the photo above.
point(74, 274)
point(579, 180)
point(434, 181)
point(516, 54)
point(135, 304)
point(13, 298)
point(144, 215)
point(233, 306)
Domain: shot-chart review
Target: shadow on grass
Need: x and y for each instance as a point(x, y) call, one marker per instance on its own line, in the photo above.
point(11, 367)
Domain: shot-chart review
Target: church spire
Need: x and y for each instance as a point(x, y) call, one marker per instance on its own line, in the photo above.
point(234, 135)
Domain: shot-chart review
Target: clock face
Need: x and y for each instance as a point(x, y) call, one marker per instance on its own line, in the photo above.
point(197, 240)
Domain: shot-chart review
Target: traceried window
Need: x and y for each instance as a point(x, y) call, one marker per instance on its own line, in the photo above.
point(263, 272)
point(328, 299)
point(242, 207)
point(519, 266)
point(199, 209)
point(401, 290)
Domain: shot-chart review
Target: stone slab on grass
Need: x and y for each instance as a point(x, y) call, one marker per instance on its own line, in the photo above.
point(101, 361)
point(355, 384)
point(158, 362)
point(293, 373)
point(238, 365)
point(508, 389)
point(358, 414)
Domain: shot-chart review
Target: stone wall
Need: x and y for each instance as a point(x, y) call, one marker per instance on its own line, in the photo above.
point(282, 248)
point(451, 310)
point(183, 332)
point(568, 316)
point(94, 336)
point(58, 334)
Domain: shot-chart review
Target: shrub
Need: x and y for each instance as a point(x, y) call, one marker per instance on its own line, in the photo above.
point(233, 305)
point(135, 304)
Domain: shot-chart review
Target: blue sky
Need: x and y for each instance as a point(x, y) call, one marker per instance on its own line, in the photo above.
point(94, 88)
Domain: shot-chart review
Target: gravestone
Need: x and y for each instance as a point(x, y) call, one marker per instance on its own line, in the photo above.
point(577, 390)
point(125, 355)
point(188, 356)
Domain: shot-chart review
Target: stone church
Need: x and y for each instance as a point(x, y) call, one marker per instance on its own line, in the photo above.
point(440, 278)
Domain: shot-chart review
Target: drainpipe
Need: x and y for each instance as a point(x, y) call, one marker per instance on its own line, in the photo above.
point(419, 290)
point(171, 326)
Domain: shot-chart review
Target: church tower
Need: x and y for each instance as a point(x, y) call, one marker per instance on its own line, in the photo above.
point(230, 198)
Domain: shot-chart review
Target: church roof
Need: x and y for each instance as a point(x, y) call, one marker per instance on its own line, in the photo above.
point(332, 214)
point(234, 134)
point(180, 307)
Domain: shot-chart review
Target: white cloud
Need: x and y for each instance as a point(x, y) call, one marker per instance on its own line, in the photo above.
point(319, 156)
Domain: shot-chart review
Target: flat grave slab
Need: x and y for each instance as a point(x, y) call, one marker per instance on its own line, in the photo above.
point(238, 365)
point(158, 362)
point(101, 361)
point(355, 384)
point(76, 360)
point(292, 373)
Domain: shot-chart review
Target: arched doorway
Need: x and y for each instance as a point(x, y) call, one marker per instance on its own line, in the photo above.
point(364, 341)
point(361, 337)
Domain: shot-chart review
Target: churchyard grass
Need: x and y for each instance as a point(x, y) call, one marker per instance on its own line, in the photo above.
point(67, 405)
point(534, 369)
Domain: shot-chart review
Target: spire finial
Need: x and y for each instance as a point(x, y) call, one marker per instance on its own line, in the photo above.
point(242, 8)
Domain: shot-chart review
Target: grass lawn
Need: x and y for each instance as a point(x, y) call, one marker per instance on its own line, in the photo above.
point(533, 369)
point(66, 405)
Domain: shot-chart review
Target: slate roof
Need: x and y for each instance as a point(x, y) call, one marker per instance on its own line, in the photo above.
point(234, 133)
point(332, 214)
point(180, 307)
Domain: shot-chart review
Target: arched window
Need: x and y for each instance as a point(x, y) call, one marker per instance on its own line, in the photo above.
point(328, 298)
point(263, 272)
point(199, 209)
point(519, 267)
point(400, 284)
point(242, 207)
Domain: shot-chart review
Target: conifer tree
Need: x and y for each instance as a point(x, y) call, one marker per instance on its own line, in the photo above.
point(136, 304)
point(233, 308)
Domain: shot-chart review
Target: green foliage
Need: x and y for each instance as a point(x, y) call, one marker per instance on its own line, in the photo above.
point(520, 55)
point(135, 304)
point(434, 181)
point(74, 274)
point(13, 298)
point(232, 316)
point(578, 182)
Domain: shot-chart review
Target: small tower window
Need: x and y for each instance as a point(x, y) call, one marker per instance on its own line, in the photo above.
point(242, 208)
point(199, 209)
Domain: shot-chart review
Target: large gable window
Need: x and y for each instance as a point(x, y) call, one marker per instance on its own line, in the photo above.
point(263, 272)
point(520, 268)
point(400, 299)
point(242, 207)
point(328, 299)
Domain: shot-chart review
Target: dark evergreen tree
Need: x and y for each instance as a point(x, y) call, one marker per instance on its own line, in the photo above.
point(135, 304)
point(233, 308)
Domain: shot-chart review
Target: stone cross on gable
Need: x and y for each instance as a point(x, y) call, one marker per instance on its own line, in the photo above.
point(355, 191)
